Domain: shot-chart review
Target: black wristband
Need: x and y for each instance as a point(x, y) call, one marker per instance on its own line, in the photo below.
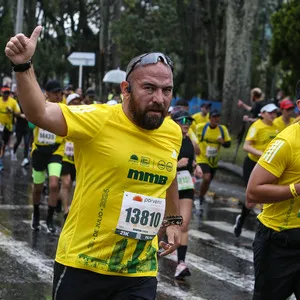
point(22, 67)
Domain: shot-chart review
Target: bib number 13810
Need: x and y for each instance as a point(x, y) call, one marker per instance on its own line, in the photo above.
point(142, 217)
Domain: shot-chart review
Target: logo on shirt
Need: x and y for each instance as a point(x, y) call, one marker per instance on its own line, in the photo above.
point(147, 177)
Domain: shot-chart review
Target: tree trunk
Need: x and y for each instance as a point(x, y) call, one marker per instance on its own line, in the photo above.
point(240, 21)
point(213, 22)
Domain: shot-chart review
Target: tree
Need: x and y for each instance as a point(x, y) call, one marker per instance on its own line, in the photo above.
point(285, 47)
point(240, 21)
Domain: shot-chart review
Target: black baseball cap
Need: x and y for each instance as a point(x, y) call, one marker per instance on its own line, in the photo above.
point(53, 86)
point(214, 113)
point(180, 114)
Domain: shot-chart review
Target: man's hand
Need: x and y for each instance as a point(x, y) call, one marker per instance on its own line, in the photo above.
point(174, 238)
point(182, 162)
point(240, 103)
point(19, 49)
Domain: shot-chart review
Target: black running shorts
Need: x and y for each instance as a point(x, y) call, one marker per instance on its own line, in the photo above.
point(78, 284)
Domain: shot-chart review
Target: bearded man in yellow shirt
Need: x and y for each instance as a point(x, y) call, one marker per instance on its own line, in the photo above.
point(108, 245)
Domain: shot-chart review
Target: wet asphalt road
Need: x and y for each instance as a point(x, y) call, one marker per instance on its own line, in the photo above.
point(221, 264)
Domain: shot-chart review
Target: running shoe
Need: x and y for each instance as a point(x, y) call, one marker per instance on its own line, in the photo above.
point(50, 227)
point(35, 223)
point(13, 157)
point(182, 271)
point(237, 229)
point(25, 162)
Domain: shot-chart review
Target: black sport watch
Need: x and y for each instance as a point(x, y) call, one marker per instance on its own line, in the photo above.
point(22, 67)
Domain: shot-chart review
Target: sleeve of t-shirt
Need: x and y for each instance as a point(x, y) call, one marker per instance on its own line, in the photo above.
point(227, 137)
point(276, 157)
point(251, 134)
point(84, 121)
point(16, 108)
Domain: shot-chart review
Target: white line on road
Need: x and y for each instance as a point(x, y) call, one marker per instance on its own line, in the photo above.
point(224, 226)
point(241, 253)
point(174, 291)
point(26, 256)
point(245, 282)
point(16, 207)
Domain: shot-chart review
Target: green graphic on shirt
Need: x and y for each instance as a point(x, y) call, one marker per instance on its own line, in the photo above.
point(91, 261)
point(147, 264)
point(116, 258)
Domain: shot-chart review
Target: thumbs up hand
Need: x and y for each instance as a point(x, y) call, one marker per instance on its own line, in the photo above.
point(19, 49)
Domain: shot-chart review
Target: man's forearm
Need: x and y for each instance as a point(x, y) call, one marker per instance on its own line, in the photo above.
point(30, 96)
point(172, 200)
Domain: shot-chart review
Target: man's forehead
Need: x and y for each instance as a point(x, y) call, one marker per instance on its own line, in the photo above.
point(153, 73)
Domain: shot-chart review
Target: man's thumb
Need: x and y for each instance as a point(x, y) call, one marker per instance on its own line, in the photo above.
point(35, 34)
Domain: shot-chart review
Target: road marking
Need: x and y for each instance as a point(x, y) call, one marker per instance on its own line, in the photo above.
point(16, 207)
point(174, 291)
point(229, 209)
point(224, 226)
point(221, 273)
point(241, 253)
point(26, 256)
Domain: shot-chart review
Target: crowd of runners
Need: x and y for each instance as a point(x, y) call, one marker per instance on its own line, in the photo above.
point(111, 227)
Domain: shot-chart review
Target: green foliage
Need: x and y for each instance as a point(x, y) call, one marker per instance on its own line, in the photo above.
point(286, 43)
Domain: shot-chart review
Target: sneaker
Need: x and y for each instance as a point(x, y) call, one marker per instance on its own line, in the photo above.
point(237, 229)
point(35, 223)
point(13, 157)
point(182, 271)
point(50, 227)
point(25, 162)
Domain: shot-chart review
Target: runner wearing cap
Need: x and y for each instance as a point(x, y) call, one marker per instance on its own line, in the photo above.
point(68, 171)
point(287, 110)
point(259, 135)
point(108, 246)
point(186, 168)
point(9, 108)
point(47, 152)
point(211, 137)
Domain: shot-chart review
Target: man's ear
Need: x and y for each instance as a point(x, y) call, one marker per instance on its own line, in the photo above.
point(126, 87)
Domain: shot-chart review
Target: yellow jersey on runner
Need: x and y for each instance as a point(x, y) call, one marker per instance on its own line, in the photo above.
point(260, 134)
point(123, 172)
point(282, 158)
point(198, 119)
point(209, 145)
point(279, 123)
point(7, 110)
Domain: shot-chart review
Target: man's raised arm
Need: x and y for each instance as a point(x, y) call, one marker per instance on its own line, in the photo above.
point(20, 50)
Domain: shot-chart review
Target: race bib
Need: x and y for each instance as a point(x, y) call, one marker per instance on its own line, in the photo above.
point(184, 180)
point(1, 127)
point(211, 151)
point(46, 137)
point(141, 216)
point(69, 149)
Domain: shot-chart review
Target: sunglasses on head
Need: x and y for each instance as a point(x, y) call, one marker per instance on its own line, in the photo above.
point(185, 121)
point(149, 58)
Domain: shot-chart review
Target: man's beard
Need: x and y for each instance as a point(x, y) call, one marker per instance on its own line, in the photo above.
point(143, 119)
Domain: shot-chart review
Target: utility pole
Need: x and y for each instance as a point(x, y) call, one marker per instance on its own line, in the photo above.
point(19, 26)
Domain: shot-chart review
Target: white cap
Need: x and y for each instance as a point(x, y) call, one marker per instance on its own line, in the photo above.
point(170, 109)
point(269, 108)
point(71, 97)
point(112, 102)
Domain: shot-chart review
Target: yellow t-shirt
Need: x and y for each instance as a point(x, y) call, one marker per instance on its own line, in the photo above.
point(279, 123)
point(198, 119)
point(210, 146)
point(47, 142)
point(123, 173)
point(6, 117)
point(260, 135)
point(282, 159)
